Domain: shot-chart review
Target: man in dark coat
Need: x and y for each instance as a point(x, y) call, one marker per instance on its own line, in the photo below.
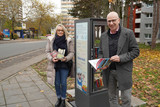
point(118, 44)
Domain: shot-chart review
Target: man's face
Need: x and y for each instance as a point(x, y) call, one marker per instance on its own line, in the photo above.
point(113, 22)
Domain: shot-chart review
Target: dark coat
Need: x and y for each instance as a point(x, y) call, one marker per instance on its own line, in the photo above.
point(127, 50)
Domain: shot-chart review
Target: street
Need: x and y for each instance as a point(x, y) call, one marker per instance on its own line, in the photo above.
point(13, 49)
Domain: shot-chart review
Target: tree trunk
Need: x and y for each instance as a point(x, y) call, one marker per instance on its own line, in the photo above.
point(131, 16)
point(13, 21)
point(39, 28)
point(155, 23)
point(125, 18)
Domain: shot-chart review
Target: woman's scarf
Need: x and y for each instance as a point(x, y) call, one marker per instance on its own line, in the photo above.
point(60, 42)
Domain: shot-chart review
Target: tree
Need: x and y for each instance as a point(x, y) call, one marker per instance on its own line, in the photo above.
point(13, 11)
point(116, 5)
point(156, 6)
point(89, 8)
point(39, 11)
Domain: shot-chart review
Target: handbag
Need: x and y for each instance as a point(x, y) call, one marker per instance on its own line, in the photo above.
point(70, 64)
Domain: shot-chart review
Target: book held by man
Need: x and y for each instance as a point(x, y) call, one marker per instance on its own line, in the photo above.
point(100, 63)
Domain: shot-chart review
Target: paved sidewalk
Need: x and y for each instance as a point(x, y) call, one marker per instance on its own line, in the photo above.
point(26, 89)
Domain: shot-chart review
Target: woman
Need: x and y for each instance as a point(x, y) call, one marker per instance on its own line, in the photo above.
point(57, 70)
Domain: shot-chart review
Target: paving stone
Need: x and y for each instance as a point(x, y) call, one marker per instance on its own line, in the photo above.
point(23, 78)
point(15, 99)
point(35, 78)
point(4, 82)
point(30, 89)
point(50, 93)
point(12, 80)
point(39, 82)
point(34, 96)
point(27, 84)
point(52, 99)
point(44, 87)
point(0, 87)
point(135, 102)
point(23, 104)
point(11, 92)
point(40, 103)
point(1, 93)
point(10, 86)
point(2, 102)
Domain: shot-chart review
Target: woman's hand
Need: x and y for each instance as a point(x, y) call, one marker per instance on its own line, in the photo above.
point(55, 59)
point(64, 59)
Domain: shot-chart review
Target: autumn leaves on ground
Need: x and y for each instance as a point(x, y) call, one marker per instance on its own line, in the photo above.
point(146, 76)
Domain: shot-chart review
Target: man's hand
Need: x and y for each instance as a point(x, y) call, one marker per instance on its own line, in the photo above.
point(115, 58)
point(55, 59)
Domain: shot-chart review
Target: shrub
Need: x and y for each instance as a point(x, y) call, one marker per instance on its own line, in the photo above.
point(15, 36)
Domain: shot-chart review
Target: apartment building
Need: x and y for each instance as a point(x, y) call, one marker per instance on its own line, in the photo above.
point(67, 20)
point(143, 22)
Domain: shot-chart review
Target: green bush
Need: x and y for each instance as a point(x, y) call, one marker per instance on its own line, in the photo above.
point(15, 36)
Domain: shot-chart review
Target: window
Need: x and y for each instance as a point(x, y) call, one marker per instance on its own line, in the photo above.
point(149, 14)
point(147, 36)
point(149, 5)
point(148, 25)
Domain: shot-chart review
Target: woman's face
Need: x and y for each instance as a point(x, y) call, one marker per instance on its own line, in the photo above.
point(60, 31)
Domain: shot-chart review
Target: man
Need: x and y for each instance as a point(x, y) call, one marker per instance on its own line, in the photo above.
point(119, 44)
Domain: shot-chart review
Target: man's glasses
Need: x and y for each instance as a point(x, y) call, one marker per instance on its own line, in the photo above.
point(113, 21)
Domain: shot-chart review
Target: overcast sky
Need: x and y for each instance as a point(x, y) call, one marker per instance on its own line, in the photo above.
point(57, 4)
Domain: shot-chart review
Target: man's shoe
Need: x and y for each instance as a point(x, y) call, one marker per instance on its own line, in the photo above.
point(62, 103)
point(58, 102)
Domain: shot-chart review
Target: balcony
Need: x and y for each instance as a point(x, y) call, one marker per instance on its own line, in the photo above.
point(138, 20)
point(138, 10)
point(137, 30)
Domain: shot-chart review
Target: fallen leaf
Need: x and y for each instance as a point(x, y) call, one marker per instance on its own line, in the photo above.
point(42, 91)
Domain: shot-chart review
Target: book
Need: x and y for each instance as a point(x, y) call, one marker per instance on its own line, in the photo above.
point(59, 54)
point(54, 53)
point(100, 63)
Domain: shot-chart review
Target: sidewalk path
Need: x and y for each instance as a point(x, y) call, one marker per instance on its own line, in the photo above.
point(26, 89)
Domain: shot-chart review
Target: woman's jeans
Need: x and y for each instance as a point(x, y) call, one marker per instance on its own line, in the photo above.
point(61, 82)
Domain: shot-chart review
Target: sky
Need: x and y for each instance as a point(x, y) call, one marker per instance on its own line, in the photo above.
point(57, 4)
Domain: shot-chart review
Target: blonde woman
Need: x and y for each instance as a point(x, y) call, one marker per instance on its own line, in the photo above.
point(57, 70)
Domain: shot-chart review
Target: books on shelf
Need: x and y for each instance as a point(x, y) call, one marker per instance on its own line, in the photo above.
point(59, 54)
point(100, 63)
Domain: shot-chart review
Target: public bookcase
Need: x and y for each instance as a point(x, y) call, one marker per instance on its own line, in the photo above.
point(90, 88)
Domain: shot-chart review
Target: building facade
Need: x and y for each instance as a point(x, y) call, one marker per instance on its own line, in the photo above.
point(67, 20)
point(143, 22)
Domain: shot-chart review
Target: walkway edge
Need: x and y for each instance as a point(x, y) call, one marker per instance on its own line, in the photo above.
point(9, 71)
